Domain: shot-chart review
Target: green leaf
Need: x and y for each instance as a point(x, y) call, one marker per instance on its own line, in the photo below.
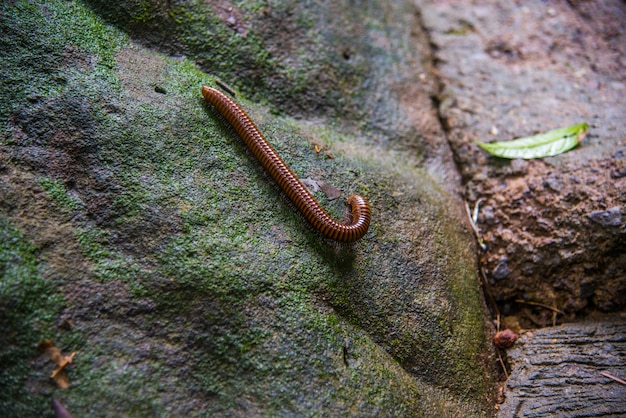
point(543, 145)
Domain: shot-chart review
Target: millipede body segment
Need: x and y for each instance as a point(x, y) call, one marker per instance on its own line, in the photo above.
point(352, 229)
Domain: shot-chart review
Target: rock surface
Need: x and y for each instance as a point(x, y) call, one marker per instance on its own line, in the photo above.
point(137, 232)
point(554, 229)
point(557, 371)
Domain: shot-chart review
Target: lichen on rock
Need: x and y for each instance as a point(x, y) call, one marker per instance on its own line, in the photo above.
point(191, 286)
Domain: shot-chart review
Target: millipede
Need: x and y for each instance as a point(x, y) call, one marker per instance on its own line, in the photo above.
point(357, 220)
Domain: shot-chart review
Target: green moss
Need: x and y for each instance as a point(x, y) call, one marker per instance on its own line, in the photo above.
point(101, 380)
point(39, 40)
point(251, 6)
point(246, 304)
point(107, 263)
point(201, 30)
point(57, 191)
point(92, 242)
point(144, 13)
point(28, 307)
point(458, 334)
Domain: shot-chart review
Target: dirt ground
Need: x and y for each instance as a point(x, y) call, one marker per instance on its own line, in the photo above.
point(554, 230)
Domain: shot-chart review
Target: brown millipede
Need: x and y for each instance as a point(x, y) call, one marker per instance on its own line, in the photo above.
point(357, 222)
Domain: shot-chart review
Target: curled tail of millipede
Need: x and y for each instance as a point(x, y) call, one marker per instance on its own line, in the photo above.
point(348, 231)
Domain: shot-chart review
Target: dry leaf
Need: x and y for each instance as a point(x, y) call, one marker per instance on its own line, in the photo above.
point(311, 184)
point(54, 353)
point(329, 190)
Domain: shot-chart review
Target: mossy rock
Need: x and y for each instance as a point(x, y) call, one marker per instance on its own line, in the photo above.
point(139, 233)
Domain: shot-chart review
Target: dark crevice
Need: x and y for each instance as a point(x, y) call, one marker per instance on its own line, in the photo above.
point(430, 63)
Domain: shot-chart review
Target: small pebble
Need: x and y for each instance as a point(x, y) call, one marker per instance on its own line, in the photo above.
point(610, 217)
point(502, 271)
point(505, 339)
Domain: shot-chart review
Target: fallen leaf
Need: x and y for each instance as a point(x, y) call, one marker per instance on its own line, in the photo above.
point(311, 184)
point(543, 145)
point(54, 353)
point(329, 190)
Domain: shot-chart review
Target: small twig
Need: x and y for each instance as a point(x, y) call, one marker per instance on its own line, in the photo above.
point(489, 293)
point(541, 305)
point(477, 208)
point(506, 375)
point(473, 224)
point(498, 322)
point(610, 376)
point(226, 87)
